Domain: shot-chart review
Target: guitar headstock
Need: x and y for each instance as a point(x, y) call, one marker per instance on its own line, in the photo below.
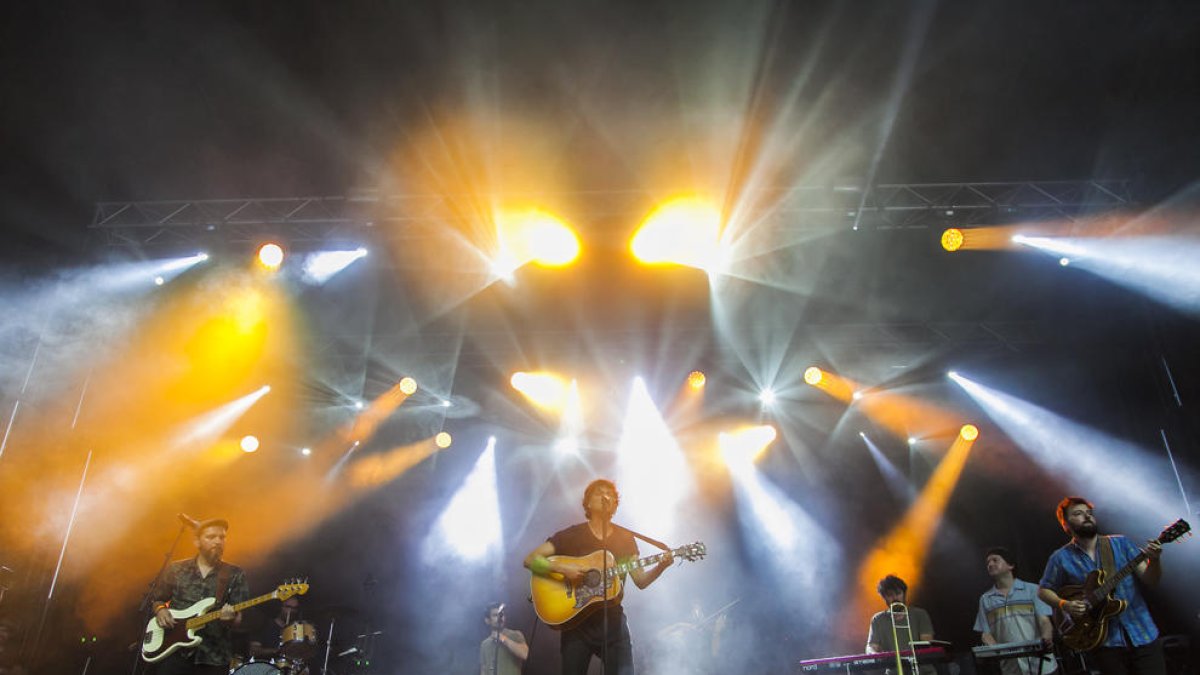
point(291, 587)
point(692, 552)
point(1174, 531)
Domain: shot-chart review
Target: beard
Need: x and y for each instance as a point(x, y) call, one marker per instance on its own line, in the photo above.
point(1084, 530)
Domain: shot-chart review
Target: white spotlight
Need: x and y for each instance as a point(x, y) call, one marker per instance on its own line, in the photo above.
point(767, 397)
point(952, 374)
point(306, 451)
point(159, 281)
point(1064, 261)
point(358, 405)
point(320, 267)
point(912, 441)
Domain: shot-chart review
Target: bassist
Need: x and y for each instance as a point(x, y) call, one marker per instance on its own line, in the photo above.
point(1131, 644)
point(188, 581)
point(587, 638)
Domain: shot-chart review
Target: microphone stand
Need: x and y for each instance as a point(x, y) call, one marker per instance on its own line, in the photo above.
point(496, 648)
point(144, 605)
point(604, 591)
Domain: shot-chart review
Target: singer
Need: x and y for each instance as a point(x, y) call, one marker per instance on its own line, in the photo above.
point(603, 634)
point(504, 649)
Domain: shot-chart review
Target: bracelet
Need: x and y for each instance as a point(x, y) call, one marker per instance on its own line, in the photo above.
point(1062, 603)
point(539, 566)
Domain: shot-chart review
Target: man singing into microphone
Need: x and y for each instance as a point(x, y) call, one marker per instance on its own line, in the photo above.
point(504, 649)
point(579, 643)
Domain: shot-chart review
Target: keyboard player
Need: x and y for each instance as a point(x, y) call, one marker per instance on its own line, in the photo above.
point(1010, 612)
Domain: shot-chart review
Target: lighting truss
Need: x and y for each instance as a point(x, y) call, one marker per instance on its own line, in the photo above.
point(322, 219)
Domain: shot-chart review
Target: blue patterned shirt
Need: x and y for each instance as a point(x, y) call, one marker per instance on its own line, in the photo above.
point(1071, 565)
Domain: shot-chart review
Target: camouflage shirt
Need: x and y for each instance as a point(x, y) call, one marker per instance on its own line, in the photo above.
point(182, 586)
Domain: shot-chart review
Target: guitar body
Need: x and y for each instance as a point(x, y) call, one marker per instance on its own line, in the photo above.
point(561, 604)
point(159, 643)
point(1087, 632)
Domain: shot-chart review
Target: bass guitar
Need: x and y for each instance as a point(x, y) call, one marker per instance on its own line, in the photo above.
point(1085, 633)
point(563, 604)
point(159, 642)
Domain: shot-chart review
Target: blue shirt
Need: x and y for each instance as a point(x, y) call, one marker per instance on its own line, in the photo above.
point(1071, 565)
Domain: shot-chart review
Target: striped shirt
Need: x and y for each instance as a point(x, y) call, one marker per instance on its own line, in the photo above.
point(1013, 617)
point(1071, 565)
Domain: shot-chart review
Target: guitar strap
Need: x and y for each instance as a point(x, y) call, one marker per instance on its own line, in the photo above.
point(648, 540)
point(1107, 562)
point(223, 574)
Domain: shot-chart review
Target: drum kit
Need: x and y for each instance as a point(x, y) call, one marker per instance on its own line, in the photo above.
point(297, 644)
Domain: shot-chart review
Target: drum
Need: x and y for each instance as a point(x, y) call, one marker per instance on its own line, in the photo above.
point(256, 668)
point(298, 640)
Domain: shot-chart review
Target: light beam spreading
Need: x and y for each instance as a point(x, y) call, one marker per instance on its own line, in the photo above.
point(207, 428)
point(903, 550)
point(321, 267)
point(1161, 267)
point(744, 447)
point(797, 551)
point(652, 474)
point(684, 231)
point(896, 482)
point(383, 467)
point(1084, 457)
point(469, 528)
point(364, 425)
point(570, 429)
point(545, 390)
point(902, 415)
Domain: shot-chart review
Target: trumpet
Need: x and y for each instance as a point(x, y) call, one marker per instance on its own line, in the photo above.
point(898, 613)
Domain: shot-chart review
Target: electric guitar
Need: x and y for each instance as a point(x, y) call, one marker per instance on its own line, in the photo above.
point(160, 642)
point(562, 604)
point(1087, 632)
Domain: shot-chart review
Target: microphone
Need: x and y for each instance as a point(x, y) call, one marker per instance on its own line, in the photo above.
point(189, 521)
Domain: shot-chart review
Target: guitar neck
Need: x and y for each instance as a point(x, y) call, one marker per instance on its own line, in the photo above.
point(622, 568)
point(204, 619)
point(1104, 589)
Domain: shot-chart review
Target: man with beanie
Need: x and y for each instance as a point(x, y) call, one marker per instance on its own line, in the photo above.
point(1011, 611)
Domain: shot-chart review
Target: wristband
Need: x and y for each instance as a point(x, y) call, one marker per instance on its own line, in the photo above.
point(539, 566)
point(1062, 603)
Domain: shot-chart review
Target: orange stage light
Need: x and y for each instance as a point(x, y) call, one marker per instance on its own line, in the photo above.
point(696, 379)
point(270, 256)
point(952, 239)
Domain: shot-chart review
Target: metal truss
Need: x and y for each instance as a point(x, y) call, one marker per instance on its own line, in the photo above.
point(314, 220)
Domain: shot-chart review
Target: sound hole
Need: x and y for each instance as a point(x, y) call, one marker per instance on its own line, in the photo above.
point(592, 578)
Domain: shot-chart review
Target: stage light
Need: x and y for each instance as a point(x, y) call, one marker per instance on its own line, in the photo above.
point(320, 267)
point(202, 256)
point(159, 281)
point(767, 397)
point(1064, 261)
point(306, 451)
point(813, 375)
point(443, 440)
point(567, 446)
point(545, 390)
point(445, 403)
point(969, 432)
point(249, 443)
point(408, 386)
point(533, 236)
point(856, 395)
point(359, 405)
point(683, 231)
point(952, 374)
point(912, 441)
point(952, 239)
point(696, 379)
point(270, 256)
